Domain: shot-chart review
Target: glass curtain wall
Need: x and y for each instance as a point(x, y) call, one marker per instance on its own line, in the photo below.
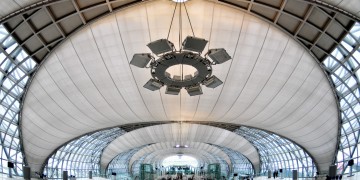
point(279, 153)
point(343, 67)
point(16, 66)
point(135, 169)
point(81, 155)
point(240, 164)
point(120, 164)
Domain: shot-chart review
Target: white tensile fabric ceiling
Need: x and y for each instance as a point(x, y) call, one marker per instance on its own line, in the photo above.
point(193, 147)
point(352, 6)
point(157, 157)
point(9, 6)
point(181, 134)
point(87, 83)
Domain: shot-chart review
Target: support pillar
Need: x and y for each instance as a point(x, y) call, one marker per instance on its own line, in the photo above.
point(65, 175)
point(27, 173)
point(295, 174)
point(332, 171)
point(90, 174)
point(11, 167)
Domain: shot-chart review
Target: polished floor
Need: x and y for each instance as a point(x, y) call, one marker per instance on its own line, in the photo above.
point(355, 177)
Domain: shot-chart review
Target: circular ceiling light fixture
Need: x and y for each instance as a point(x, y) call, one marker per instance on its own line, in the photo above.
point(179, 1)
point(189, 55)
point(181, 146)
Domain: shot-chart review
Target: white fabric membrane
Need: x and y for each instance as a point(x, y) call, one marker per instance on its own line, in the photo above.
point(87, 84)
point(192, 146)
point(180, 134)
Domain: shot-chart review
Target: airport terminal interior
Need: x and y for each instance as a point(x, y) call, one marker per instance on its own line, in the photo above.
point(180, 89)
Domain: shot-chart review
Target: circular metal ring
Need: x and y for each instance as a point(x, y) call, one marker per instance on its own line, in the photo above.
point(202, 65)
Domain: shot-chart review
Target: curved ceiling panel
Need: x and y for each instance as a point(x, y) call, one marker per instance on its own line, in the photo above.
point(352, 6)
point(182, 134)
point(200, 155)
point(10, 6)
point(194, 146)
point(87, 83)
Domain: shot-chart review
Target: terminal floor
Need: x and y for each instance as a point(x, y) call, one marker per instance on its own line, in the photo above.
point(355, 177)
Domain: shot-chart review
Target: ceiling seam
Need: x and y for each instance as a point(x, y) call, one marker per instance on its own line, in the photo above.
point(55, 102)
point(228, 72)
point(43, 120)
point(78, 89)
point(132, 73)
point(91, 80)
point(265, 84)
point(111, 77)
point(281, 89)
point(247, 79)
point(297, 91)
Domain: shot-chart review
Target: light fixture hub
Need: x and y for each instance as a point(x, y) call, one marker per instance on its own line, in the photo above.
point(202, 66)
point(189, 57)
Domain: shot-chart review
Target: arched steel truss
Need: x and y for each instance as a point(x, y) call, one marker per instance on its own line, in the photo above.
point(342, 65)
point(30, 34)
point(240, 164)
point(204, 159)
point(81, 155)
point(279, 153)
point(120, 164)
point(192, 146)
point(275, 152)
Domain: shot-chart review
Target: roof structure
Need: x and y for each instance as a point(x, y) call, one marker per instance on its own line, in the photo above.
point(292, 83)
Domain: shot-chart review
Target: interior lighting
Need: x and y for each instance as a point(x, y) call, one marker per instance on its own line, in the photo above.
point(188, 54)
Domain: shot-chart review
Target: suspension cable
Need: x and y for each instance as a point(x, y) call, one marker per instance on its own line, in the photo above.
point(189, 20)
point(172, 19)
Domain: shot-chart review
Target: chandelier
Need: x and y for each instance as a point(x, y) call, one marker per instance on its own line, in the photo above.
point(188, 54)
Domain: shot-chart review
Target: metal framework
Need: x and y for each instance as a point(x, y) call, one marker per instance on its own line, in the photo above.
point(120, 164)
point(204, 159)
point(135, 169)
point(343, 67)
point(81, 155)
point(240, 164)
point(317, 26)
point(279, 153)
point(29, 35)
point(275, 152)
point(16, 68)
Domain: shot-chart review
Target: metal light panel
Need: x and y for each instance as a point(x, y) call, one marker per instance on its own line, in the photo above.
point(177, 78)
point(173, 90)
point(194, 90)
point(161, 46)
point(194, 44)
point(141, 60)
point(188, 77)
point(153, 85)
point(219, 55)
point(167, 75)
point(212, 82)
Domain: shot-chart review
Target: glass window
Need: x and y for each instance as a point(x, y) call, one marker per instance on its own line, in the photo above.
point(81, 155)
point(347, 87)
point(278, 153)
